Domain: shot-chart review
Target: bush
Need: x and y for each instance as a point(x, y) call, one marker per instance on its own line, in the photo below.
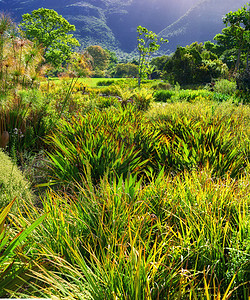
point(12, 181)
point(90, 142)
point(163, 95)
point(161, 86)
point(126, 70)
point(192, 95)
point(142, 99)
point(220, 97)
point(105, 82)
point(225, 86)
point(106, 102)
point(27, 117)
point(243, 80)
point(112, 90)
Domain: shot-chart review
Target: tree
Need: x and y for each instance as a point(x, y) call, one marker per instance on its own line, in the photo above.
point(146, 45)
point(126, 70)
point(236, 35)
point(50, 30)
point(193, 64)
point(80, 65)
point(159, 63)
point(100, 57)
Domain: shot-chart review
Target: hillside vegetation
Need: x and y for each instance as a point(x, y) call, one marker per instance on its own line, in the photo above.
point(112, 24)
point(123, 187)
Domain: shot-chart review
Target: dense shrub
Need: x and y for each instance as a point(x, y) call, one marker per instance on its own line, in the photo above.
point(105, 82)
point(243, 80)
point(225, 86)
point(12, 183)
point(163, 95)
point(120, 141)
point(182, 95)
point(126, 70)
point(161, 86)
point(91, 142)
point(142, 99)
point(128, 239)
point(27, 117)
point(106, 102)
point(112, 90)
point(193, 64)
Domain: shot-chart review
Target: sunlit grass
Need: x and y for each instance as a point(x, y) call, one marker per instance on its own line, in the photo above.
point(91, 82)
point(142, 205)
point(175, 237)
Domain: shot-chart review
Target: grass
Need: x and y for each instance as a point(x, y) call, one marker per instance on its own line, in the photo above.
point(143, 200)
point(12, 182)
point(91, 82)
point(174, 237)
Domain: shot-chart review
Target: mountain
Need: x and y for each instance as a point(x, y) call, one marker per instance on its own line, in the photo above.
point(112, 23)
point(201, 23)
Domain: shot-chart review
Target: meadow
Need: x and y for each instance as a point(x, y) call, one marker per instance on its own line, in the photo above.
point(117, 192)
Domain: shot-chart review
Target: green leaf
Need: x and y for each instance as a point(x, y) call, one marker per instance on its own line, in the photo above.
point(19, 239)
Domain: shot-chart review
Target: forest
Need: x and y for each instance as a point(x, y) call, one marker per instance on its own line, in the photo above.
point(123, 179)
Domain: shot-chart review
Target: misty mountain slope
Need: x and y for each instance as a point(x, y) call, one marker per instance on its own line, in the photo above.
point(152, 14)
point(200, 23)
point(109, 23)
point(112, 23)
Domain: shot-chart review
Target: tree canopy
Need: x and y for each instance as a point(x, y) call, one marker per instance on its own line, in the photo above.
point(50, 30)
point(100, 57)
point(234, 41)
point(193, 64)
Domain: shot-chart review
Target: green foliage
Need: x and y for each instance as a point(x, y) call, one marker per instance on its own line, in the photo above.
point(142, 99)
point(225, 86)
point(177, 94)
point(161, 86)
point(146, 45)
point(100, 58)
point(91, 142)
point(236, 36)
point(125, 70)
point(163, 95)
point(136, 241)
point(27, 118)
point(105, 82)
point(15, 265)
point(50, 30)
point(137, 146)
point(243, 80)
point(193, 64)
point(188, 137)
point(12, 182)
point(79, 65)
point(159, 63)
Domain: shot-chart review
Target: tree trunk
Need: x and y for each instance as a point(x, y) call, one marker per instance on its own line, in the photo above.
point(238, 59)
point(139, 80)
point(247, 60)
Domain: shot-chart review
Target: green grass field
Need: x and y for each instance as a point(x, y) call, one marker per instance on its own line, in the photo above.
point(91, 82)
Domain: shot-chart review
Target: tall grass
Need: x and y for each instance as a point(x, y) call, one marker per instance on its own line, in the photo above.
point(145, 205)
point(15, 265)
point(119, 142)
point(174, 238)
